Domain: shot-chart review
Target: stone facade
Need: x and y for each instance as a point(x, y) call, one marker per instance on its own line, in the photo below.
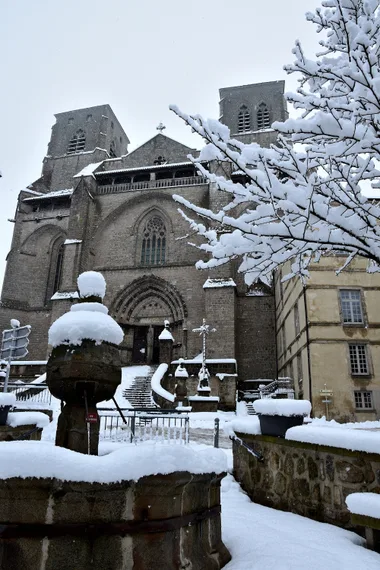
point(319, 348)
point(307, 479)
point(118, 217)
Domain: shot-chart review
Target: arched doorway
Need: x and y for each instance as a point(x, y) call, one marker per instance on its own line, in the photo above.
point(141, 309)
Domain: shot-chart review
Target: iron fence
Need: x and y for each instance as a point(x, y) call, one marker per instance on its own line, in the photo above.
point(138, 426)
point(30, 393)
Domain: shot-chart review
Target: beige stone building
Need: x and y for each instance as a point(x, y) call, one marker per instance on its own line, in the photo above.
point(328, 338)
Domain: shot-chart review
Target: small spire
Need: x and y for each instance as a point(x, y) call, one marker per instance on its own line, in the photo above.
point(161, 127)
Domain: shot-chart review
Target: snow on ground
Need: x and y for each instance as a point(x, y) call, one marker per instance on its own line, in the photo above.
point(260, 538)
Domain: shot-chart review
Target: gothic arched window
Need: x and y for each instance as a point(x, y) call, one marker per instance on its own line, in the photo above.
point(58, 269)
point(244, 120)
point(77, 142)
point(154, 242)
point(263, 119)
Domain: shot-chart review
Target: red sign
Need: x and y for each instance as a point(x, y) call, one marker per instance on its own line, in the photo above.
point(92, 418)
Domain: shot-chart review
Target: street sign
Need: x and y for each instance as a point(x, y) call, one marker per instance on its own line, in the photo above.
point(13, 345)
point(326, 392)
point(15, 342)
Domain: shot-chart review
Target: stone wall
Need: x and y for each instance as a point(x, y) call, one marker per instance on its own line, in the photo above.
point(307, 479)
point(163, 521)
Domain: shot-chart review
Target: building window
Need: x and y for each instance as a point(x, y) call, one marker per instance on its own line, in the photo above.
point(244, 120)
point(359, 359)
point(296, 319)
point(77, 142)
point(351, 306)
point(112, 149)
point(299, 369)
point(58, 269)
point(263, 119)
point(154, 242)
point(363, 400)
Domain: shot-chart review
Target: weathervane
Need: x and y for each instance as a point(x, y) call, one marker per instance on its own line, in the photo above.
point(204, 330)
point(161, 127)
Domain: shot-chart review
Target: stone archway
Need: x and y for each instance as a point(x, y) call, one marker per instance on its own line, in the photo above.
point(141, 309)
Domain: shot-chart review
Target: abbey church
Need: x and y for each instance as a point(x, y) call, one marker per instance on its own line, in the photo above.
point(98, 206)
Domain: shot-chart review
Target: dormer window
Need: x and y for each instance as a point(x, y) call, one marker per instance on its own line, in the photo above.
point(112, 149)
point(244, 120)
point(263, 119)
point(77, 142)
point(160, 160)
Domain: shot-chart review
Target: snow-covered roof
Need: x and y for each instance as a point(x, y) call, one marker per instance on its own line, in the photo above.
point(89, 169)
point(70, 241)
point(49, 195)
point(215, 283)
point(166, 335)
point(60, 296)
point(198, 360)
point(149, 167)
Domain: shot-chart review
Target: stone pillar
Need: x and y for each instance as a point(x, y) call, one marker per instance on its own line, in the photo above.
point(220, 312)
point(166, 345)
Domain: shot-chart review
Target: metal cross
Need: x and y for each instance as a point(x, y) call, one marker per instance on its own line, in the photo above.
point(204, 330)
point(160, 127)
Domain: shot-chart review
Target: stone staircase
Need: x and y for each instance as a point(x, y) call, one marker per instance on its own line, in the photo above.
point(139, 394)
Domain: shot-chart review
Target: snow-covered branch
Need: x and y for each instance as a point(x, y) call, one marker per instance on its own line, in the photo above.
point(301, 200)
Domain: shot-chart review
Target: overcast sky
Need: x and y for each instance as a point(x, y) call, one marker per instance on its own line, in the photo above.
point(137, 55)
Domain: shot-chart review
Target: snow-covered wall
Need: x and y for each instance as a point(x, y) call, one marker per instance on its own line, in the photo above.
point(305, 478)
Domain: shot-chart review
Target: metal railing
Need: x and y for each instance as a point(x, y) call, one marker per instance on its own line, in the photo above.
point(279, 386)
point(138, 425)
point(30, 393)
point(149, 184)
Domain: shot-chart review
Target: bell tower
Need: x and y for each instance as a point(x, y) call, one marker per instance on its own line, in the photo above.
point(250, 110)
point(79, 138)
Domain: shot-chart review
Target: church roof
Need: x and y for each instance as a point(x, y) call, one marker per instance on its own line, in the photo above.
point(160, 146)
point(148, 167)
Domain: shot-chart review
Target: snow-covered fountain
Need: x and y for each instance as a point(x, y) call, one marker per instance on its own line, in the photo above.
point(132, 508)
point(84, 367)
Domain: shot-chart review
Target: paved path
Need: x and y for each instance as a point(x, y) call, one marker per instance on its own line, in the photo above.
point(206, 436)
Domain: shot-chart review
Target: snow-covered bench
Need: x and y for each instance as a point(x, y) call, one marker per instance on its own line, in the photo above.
point(365, 511)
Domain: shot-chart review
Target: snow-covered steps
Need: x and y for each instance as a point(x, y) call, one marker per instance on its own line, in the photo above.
point(251, 409)
point(139, 393)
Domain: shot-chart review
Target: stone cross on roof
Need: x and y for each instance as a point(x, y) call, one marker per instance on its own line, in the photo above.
point(160, 127)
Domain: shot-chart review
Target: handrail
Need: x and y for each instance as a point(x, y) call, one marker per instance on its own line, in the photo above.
point(156, 383)
point(149, 184)
point(255, 454)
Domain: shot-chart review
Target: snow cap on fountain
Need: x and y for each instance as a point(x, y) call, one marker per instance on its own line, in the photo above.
point(91, 284)
point(87, 320)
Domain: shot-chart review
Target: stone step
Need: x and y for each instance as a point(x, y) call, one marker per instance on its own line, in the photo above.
point(139, 394)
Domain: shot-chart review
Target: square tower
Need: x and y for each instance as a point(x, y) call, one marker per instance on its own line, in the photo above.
point(250, 110)
point(79, 138)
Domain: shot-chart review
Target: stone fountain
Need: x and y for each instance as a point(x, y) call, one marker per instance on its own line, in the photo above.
point(84, 367)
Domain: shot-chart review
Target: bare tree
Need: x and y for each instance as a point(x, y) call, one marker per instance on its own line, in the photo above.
point(303, 197)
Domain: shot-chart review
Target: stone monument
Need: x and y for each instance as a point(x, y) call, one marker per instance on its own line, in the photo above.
point(84, 367)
